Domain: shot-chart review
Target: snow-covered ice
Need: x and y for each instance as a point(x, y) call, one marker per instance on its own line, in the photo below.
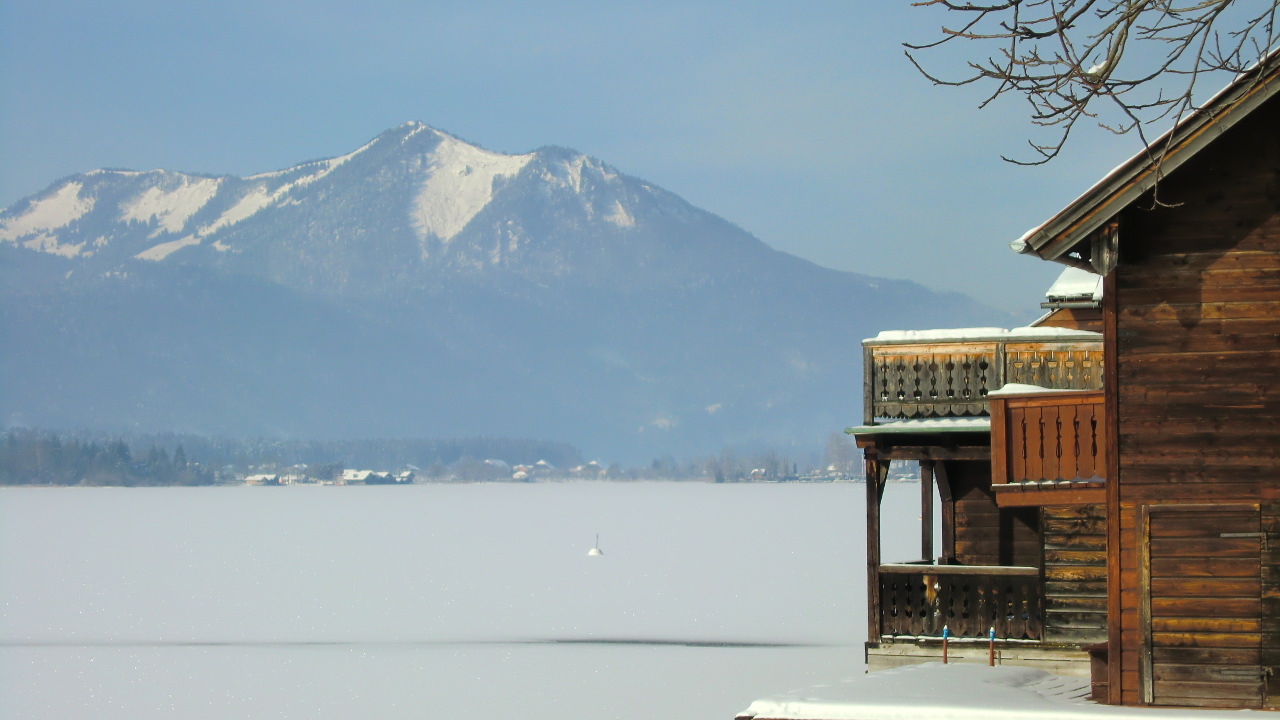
point(959, 691)
point(459, 601)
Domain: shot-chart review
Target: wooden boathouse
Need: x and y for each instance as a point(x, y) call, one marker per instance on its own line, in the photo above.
point(1017, 475)
point(1187, 240)
point(1110, 501)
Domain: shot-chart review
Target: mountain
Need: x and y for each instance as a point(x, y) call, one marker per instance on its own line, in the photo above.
point(422, 286)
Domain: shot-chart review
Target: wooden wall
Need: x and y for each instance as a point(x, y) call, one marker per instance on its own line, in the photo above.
point(1193, 315)
point(1074, 318)
point(985, 533)
point(1075, 573)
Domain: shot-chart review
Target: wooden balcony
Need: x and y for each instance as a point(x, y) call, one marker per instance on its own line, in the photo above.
point(918, 600)
point(949, 373)
point(1048, 447)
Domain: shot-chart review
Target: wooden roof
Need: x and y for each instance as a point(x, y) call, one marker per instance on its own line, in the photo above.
point(1060, 237)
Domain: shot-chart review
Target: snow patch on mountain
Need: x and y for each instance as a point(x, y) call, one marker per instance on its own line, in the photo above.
point(620, 217)
point(255, 200)
point(459, 184)
point(173, 207)
point(58, 210)
point(165, 249)
point(47, 243)
point(417, 128)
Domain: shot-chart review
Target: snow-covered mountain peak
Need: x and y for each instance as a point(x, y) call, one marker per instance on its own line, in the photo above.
point(409, 193)
point(458, 184)
point(44, 215)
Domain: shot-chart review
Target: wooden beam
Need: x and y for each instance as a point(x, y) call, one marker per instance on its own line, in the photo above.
point(1144, 604)
point(926, 509)
point(999, 442)
point(868, 387)
point(933, 452)
point(877, 473)
point(948, 548)
point(1111, 401)
point(955, 570)
point(1013, 496)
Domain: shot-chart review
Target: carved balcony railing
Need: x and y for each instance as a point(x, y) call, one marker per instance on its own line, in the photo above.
point(918, 600)
point(949, 373)
point(1048, 437)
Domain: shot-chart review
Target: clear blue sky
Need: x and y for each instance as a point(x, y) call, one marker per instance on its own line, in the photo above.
point(801, 122)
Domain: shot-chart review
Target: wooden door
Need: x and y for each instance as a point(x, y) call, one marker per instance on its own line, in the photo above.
point(1201, 591)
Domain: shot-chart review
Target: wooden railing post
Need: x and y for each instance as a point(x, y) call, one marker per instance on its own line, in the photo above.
point(926, 510)
point(869, 384)
point(948, 503)
point(877, 472)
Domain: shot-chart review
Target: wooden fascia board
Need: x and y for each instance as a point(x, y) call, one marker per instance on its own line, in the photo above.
point(920, 451)
point(1013, 496)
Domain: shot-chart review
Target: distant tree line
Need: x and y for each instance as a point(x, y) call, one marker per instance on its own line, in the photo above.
point(36, 457)
point(377, 453)
point(838, 460)
point(30, 457)
point(33, 457)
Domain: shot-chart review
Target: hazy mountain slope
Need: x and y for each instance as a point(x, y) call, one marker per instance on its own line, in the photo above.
point(422, 286)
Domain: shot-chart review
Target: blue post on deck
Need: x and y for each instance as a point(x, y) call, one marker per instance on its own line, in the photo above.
point(946, 634)
point(991, 646)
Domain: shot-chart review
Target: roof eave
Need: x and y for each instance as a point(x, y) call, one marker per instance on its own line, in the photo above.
point(1054, 239)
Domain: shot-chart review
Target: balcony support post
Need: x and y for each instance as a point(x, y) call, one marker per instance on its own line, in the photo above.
point(877, 473)
point(926, 510)
point(948, 503)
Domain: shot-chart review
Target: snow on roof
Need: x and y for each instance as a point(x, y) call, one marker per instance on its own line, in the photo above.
point(1021, 389)
point(925, 425)
point(957, 691)
point(1075, 283)
point(980, 333)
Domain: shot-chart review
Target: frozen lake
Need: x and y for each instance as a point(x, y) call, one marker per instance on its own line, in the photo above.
point(459, 601)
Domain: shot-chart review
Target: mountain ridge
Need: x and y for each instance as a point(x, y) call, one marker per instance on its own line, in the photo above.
point(424, 285)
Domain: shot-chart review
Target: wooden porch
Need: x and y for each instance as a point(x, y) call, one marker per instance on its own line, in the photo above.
point(1008, 430)
point(918, 600)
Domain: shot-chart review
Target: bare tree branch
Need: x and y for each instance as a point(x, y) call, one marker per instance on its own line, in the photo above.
point(1124, 64)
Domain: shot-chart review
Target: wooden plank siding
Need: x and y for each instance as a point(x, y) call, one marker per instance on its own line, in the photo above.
point(1074, 319)
point(1075, 565)
point(1193, 315)
point(986, 534)
point(1197, 656)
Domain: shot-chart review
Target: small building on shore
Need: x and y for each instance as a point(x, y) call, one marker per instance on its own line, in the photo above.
point(1109, 480)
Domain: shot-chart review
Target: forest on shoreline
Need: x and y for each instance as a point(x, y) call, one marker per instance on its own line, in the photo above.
point(45, 458)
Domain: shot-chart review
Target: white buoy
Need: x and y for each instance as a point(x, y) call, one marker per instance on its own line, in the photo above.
point(596, 549)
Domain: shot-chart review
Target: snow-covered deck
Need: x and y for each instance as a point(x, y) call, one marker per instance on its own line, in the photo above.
point(925, 426)
point(957, 691)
